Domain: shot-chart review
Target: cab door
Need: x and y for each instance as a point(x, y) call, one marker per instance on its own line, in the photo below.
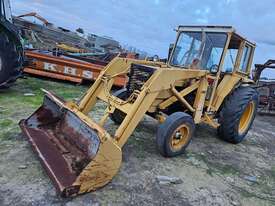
point(246, 59)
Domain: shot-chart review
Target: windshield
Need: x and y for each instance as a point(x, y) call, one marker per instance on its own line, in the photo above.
point(199, 50)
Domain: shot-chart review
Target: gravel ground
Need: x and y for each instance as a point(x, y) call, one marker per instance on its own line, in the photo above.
point(212, 172)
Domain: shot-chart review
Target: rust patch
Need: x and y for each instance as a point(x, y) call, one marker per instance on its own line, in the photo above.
point(64, 143)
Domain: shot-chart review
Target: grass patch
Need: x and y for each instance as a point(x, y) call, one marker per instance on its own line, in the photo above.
point(5, 123)
point(216, 167)
point(273, 174)
point(15, 105)
point(138, 146)
point(266, 182)
point(246, 194)
point(7, 135)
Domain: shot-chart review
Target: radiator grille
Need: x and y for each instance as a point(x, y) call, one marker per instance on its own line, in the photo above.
point(138, 75)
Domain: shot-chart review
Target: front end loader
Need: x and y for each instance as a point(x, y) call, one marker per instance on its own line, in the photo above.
point(195, 86)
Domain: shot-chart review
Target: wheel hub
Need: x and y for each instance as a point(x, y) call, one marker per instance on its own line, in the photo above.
point(180, 137)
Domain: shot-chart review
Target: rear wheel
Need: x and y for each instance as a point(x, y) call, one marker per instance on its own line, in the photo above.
point(237, 114)
point(175, 134)
point(118, 116)
point(10, 60)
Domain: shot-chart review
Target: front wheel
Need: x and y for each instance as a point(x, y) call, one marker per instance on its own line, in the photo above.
point(237, 114)
point(175, 134)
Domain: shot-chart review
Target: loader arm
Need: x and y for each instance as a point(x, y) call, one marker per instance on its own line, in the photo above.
point(161, 80)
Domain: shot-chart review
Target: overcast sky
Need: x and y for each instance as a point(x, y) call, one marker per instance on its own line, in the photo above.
point(149, 24)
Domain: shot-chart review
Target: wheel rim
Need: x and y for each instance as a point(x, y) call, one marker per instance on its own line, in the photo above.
point(180, 137)
point(246, 117)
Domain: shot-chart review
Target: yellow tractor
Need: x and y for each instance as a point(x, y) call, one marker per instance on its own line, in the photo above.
point(206, 80)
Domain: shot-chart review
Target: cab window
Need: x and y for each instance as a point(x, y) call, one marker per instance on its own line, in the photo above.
point(245, 58)
point(229, 60)
point(2, 8)
point(199, 50)
point(231, 54)
point(187, 48)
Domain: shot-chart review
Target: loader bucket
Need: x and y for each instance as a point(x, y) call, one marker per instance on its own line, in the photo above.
point(78, 155)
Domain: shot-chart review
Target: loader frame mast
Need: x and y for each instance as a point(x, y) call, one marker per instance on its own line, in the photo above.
point(161, 80)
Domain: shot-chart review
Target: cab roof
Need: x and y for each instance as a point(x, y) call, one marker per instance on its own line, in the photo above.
point(222, 29)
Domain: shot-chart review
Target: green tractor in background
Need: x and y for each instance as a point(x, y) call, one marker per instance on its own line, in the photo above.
point(11, 49)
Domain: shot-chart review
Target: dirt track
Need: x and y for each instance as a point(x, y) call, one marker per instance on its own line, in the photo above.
point(213, 172)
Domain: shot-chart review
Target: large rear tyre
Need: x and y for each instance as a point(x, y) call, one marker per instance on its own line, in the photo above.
point(11, 59)
point(118, 116)
point(237, 114)
point(175, 134)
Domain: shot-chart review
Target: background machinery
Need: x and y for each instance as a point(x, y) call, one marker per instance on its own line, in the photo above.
point(266, 87)
point(206, 80)
point(11, 50)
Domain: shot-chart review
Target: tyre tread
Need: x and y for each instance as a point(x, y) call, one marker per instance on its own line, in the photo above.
point(164, 131)
point(232, 111)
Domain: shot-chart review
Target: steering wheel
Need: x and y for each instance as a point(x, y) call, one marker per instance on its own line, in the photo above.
point(188, 53)
point(214, 68)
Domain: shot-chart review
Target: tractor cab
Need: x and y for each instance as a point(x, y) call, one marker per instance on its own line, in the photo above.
point(212, 48)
